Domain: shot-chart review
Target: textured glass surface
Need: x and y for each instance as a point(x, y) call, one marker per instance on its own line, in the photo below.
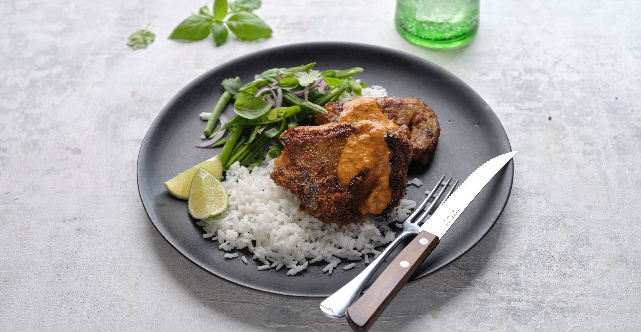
point(438, 23)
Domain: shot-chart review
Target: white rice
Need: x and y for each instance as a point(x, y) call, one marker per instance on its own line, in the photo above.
point(205, 115)
point(349, 266)
point(416, 182)
point(373, 91)
point(267, 220)
point(234, 255)
point(244, 259)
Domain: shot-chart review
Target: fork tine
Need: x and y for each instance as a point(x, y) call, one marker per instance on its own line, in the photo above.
point(433, 205)
point(420, 208)
point(450, 192)
point(423, 218)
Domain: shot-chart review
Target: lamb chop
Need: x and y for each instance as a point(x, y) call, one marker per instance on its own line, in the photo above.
point(309, 167)
point(408, 112)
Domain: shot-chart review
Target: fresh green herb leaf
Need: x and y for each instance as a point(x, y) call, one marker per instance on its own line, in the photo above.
point(270, 72)
point(232, 85)
point(363, 85)
point(292, 122)
point(276, 115)
point(247, 26)
point(251, 88)
point(288, 83)
point(219, 32)
point(332, 81)
point(274, 129)
point(275, 152)
point(141, 39)
point(220, 10)
point(194, 28)
point(247, 5)
point(309, 78)
point(250, 107)
point(204, 10)
point(253, 134)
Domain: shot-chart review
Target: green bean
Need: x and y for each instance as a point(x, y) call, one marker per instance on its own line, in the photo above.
point(333, 94)
point(251, 155)
point(303, 104)
point(229, 145)
point(354, 86)
point(342, 73)
point(246, 149)
point(239, 144)
point(213, 118)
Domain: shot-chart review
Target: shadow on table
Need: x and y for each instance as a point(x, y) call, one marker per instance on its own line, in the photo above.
point(417, 300)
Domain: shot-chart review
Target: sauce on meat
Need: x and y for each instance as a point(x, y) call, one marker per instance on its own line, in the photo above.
point(366, 149)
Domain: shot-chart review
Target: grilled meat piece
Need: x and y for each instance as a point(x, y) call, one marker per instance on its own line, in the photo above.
point(308, 167)
point(409, 112)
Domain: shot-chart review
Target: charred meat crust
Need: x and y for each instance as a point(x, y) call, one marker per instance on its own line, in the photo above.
point(308, 167)
point(410, 112)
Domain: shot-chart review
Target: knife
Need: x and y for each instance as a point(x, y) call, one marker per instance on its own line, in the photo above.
point(364, 312)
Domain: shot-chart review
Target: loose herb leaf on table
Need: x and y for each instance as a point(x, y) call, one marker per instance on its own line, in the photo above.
point(141, 38)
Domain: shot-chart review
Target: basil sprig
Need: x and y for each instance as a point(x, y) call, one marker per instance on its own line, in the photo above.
point(244, 24)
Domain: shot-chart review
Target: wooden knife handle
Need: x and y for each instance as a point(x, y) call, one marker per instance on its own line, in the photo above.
point(364, 312)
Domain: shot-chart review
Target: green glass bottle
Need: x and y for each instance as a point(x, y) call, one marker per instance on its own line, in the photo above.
point(438, 23)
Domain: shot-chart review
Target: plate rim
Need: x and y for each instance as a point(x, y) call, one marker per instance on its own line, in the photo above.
point(376, 48)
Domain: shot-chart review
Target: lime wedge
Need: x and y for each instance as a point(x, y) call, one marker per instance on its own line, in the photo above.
point(179, 185)
point(207, 196)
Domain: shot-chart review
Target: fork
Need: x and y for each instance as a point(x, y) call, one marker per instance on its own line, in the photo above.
point(336, 305)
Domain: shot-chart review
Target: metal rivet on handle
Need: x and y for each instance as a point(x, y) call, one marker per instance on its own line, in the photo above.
point(423, 241)
point(405, 264)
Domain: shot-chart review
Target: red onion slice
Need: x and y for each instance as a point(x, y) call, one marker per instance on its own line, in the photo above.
point(299, 93)
point(260, 129)
point(279, 98)
point(322, 88)
point(222, 118)
point(261, 90)
point(270, 100)
point(320, 80)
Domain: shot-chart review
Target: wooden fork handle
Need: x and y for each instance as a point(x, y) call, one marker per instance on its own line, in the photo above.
point(364, 312)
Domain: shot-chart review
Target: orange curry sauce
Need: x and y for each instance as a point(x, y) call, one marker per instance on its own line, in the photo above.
point(366, 149)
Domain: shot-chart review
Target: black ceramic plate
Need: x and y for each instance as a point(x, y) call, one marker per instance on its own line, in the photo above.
point(470, 135)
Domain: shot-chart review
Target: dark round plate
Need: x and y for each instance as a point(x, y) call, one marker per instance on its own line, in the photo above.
point(470, 135)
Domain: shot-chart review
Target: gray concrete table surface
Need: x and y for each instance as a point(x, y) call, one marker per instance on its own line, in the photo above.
point(78, 252)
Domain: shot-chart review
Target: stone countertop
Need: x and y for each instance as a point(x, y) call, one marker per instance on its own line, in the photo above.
point(78, 252)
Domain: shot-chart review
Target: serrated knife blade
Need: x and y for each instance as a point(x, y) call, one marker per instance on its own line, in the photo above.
point(450, 210)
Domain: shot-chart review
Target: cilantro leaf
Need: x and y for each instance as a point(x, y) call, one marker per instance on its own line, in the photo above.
point(247, 5)
point(194, 28)
point(219, 32)
point(141, 39)
point(309, 78)
point(220, 10)
point(232, 85)
point(247, 26)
